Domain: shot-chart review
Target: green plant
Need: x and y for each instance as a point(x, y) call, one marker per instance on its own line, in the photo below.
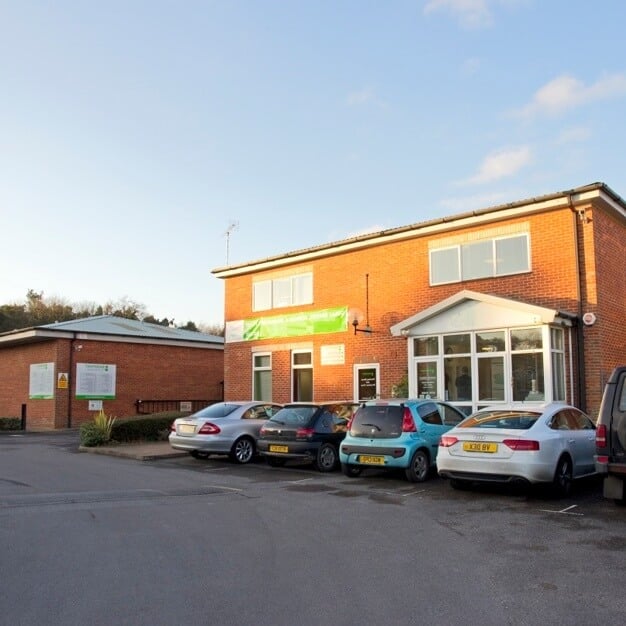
point(10, 423)
point(153, 427)
point(104, 423)
point(401, 390)
point(91, 435)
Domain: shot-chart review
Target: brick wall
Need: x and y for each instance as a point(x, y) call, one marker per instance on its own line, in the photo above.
point(144, 371)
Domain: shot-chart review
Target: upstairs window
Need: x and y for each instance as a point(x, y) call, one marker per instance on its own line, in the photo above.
point(480, 259)
point(282, 292)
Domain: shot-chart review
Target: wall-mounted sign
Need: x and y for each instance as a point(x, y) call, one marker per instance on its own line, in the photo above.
point(62, 380)
point(185, 407)
point(95, 381)
point(333, 355)
point(41, 381)
point(95, 405)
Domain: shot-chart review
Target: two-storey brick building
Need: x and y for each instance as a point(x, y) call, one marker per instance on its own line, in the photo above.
point(524, 302)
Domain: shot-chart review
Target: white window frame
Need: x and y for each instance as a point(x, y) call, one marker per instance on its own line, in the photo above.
point(283, 291)
point(263, 368)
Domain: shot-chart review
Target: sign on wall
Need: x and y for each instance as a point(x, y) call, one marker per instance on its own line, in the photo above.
point(333, 354)
point(95, 381)
point(41, 381)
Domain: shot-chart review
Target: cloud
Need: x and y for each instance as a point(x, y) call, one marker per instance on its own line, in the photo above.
point(357, 98)
point(499, 165)
point(470, 66)
point(574, 135)
point(478, 201)
point(470, 13)
point(566, 92)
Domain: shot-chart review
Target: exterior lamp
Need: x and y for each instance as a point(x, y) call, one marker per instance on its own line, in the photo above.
point(355, 324)
point(355, 321)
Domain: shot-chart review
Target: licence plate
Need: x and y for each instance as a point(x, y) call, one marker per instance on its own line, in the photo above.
point(186, 429)
point(477, 446)
point(367, 459)
point(279, 449)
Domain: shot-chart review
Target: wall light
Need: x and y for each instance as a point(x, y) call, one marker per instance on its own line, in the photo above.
point(355, 321)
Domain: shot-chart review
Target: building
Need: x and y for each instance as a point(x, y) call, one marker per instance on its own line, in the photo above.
point(523, 302)
point(58, 375)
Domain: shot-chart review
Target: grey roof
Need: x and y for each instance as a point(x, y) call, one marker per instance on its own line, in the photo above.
point(120, 326)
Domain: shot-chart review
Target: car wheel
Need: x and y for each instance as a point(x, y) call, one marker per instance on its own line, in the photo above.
point(326, 458)
point(563, 476)
point(242, 450)
point(417, 471)
point(273, 461)
point(351, 470)
point(199, 454)
point(460, 485)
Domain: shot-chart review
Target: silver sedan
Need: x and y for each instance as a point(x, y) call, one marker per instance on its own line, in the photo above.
point(552, 443)
point(223, 428)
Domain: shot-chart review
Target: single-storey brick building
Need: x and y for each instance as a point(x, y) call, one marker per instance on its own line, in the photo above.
point(523, 302)
point(58, 375)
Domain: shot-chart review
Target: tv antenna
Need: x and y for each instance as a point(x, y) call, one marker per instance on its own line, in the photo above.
point(231, 227)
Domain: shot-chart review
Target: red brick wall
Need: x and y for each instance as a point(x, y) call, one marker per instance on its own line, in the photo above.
point(144, 371)
point(398, 288)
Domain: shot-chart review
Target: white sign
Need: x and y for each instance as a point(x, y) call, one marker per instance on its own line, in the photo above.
point(41, 382)
point(95, 381)
point(185, 407)
point(95, 405)
point(333, 354)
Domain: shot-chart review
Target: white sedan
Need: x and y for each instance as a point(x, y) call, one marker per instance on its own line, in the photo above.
point(551, 443)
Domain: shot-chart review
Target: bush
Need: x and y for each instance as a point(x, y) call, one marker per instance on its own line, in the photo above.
point(10, 423)
point(91, 435)
point(153, 427)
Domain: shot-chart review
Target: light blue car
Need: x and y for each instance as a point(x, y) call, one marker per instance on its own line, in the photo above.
point(397, 433)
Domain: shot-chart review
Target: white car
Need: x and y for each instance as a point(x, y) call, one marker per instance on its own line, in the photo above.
point(222, 428)
point(550, 443)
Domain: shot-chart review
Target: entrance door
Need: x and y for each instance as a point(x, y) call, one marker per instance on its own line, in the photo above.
point(427, 379)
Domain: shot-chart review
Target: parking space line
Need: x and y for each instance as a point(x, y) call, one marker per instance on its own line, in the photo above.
point(404, 495)
point(566, 511)
point(294, 482)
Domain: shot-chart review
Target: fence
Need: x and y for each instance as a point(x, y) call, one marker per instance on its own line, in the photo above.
point(147, 407)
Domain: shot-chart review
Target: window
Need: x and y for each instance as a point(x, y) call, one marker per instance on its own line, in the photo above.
point(480, 259)
point(282, 292)
point(262, 377)
point(557, 354)
point(527, 364)
point(429, 413)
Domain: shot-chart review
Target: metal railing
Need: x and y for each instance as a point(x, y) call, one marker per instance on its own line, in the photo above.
point(147, 407)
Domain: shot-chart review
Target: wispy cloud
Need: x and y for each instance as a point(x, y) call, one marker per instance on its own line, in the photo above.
point(566, 92)
point(574, 135)
point(470, 66)
point(361, 97)
point(500, 164)
point(477, 201)
point(470, 13)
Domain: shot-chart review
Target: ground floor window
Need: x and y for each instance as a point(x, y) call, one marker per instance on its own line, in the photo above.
point(366, 381)
point(302, 375)
point(478, 368)
point(262, 377)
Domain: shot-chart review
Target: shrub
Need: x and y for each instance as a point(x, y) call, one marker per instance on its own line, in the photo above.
point(10, 423)
point(153, 427)
point(91, 435)
point(104, 423)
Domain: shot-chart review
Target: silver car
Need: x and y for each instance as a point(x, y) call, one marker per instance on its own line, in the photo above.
point(223, 428)
point(552, 443)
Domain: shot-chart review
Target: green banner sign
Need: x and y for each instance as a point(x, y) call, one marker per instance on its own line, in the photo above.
point(296, 324)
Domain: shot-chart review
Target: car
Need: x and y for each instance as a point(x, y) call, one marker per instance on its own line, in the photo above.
point(550, 443)
point(397, 434)
point(306, 432)
point(222, 428)
point(611, 437)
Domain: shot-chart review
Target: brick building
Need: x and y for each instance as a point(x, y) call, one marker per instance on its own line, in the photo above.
point(523, 302)
point(58, 375)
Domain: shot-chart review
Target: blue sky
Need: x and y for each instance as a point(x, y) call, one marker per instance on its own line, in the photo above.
point(135, 133)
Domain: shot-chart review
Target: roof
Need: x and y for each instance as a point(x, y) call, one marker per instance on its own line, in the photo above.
point(111, 326)
point(596, 194)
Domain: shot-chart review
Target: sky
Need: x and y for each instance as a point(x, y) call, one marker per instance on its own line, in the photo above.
point(144, 143)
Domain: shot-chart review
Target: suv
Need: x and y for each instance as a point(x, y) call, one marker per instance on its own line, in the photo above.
point(397, 434)
point(610, 455)
point(306, 431)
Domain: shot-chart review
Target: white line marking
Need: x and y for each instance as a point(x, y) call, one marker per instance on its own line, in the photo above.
point(565, 511)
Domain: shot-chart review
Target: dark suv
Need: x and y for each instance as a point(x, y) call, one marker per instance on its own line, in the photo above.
point(306, 431)
point(611, 437)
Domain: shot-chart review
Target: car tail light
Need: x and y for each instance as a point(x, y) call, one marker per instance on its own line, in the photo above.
point(447, 441)
point(304, 433)
point(408, 424)
point(209, 429)
point(527, 445)
point(263, 431)
point(601, 436)
point(173, 427)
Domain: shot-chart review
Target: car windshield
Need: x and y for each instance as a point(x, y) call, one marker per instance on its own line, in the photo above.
point(294, 415)
point(377, 421)
point(516, 420)
point(219, 409)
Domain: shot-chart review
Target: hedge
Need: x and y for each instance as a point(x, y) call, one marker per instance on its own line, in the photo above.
point(10, 423)
point(153, 427)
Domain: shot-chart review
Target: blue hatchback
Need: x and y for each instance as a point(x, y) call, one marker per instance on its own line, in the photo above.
point(397, 433)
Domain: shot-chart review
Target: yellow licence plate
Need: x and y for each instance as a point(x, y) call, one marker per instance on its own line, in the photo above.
point(477, 446)
point(279, 449)
point(186, 429)
point(371, 460)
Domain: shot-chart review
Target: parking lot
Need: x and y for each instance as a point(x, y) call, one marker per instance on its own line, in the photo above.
point(111, 540)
